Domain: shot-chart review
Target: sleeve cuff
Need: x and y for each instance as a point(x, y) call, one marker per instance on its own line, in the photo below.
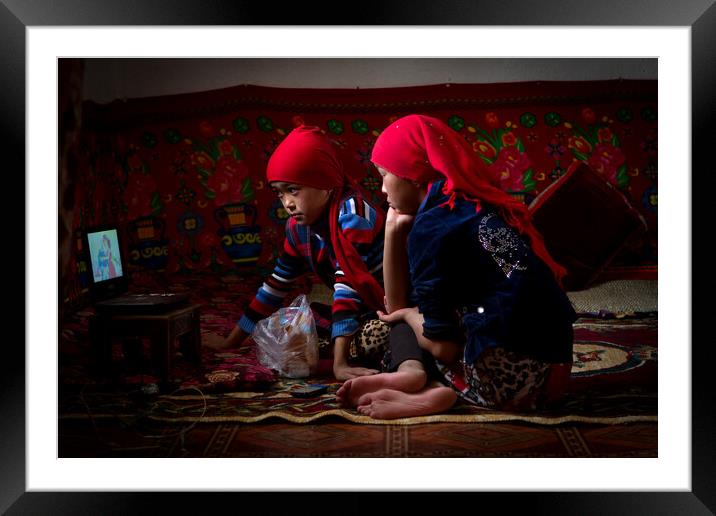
point(246, 324)
point(344, 327)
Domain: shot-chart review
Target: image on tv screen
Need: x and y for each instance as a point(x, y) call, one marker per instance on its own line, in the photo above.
point(104, 255)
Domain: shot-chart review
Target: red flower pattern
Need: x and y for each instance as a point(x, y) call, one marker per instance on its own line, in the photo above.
point(604, 135)
point(606, 159)
point(214, 181)
point(134, 162)
point(226, 180)
point(509, 139)
point(226, 147)
point(579, 144)
point(492, 120)
point(202, 160)
point(207, 130)
point(485, 149)
point(509, 168)
point(588, 115)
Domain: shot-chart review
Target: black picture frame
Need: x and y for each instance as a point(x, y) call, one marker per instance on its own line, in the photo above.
point(102, 290)
point(699, 15)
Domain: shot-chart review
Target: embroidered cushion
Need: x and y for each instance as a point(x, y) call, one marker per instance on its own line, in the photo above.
point(585, 222)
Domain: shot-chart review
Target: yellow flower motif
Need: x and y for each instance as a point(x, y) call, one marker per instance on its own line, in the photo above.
point(567, 125)
point(471, 129)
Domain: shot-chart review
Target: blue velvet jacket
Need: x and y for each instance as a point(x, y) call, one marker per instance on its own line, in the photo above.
point(476, 281)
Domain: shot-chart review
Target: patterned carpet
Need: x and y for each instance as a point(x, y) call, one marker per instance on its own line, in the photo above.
point(610, 410)
point(618, 297)
point(327, 438)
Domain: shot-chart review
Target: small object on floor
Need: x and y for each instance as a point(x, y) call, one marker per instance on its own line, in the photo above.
point(151, 388)
point(309, 391)
point(222, 376)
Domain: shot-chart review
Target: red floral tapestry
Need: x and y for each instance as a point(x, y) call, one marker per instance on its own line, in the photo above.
point(184, 175)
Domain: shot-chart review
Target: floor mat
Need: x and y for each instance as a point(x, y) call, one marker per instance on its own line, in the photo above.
point(614, 378)
point(617, 297)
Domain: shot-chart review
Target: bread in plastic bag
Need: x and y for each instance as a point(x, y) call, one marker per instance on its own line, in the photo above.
point(287, 340)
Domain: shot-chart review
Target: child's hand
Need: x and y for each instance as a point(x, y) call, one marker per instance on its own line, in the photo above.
point(398, 221)
point(401, 315)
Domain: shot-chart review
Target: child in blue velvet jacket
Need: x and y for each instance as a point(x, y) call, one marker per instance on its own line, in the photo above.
point(481, 294)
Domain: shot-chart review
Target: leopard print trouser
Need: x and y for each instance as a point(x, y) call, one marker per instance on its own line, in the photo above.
point(368, 345)
point(499, 379)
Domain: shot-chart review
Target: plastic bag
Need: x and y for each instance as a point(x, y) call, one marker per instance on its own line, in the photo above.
point(287, 340)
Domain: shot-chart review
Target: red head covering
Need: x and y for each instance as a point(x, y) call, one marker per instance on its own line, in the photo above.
point(307, 157)
point(421, 148)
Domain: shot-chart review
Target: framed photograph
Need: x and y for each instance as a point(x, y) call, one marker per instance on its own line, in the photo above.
point(34, 35)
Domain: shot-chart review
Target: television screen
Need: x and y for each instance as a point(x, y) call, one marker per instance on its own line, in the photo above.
point(104, 254)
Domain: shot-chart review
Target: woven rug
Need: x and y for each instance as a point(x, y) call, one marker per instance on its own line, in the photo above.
point(613, 382)
point(614, 378)
point(617, 297)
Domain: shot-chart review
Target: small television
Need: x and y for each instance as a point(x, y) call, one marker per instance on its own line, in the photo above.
point(107, 272)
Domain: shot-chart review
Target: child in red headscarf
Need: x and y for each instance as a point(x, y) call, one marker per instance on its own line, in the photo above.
point(482, 297)
point(337, 234)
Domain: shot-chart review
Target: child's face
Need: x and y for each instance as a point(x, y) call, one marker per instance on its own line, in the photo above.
point(403, 196)
point(304, 203)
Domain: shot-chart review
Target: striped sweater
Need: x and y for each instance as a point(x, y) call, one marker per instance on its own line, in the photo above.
point(308, 249)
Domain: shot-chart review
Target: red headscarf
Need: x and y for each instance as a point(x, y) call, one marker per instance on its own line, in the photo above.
point(423, 149)
point(307, 157)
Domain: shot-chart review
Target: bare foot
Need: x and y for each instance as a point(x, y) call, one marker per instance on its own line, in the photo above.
point(392, 404)
point(408, 380)
point(343, 392)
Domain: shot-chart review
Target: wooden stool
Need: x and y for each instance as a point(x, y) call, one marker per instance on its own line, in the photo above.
point(163, 329)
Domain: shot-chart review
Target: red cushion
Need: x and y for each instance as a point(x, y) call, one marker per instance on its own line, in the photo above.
point(585, 222)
